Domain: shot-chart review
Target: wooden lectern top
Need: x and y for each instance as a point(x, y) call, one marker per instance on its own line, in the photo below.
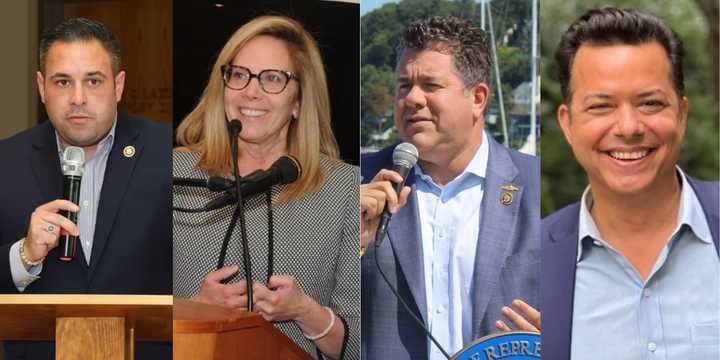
point(32, 317)
point(202, 331)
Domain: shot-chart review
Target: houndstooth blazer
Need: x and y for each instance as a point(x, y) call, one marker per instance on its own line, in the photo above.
point(316, 240)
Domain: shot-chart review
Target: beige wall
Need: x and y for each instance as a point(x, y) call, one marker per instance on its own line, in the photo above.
point(18, 94)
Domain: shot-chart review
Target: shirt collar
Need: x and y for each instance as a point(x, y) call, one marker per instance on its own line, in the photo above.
point(105, 143)
point(690, 214)
point(477, 166)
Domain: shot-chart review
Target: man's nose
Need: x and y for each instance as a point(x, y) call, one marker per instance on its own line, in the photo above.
point(628, 124)
point(78, 96)
point(415, 97)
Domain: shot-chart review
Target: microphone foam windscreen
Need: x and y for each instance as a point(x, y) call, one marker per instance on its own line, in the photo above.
point(289, 169)
point(73, 161)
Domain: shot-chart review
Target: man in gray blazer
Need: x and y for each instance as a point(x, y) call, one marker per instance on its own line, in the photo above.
point(462, 247)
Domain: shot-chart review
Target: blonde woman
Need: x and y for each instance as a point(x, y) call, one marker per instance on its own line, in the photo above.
point(270, 76)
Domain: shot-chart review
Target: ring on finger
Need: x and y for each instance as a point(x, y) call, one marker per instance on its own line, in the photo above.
point(50, 228)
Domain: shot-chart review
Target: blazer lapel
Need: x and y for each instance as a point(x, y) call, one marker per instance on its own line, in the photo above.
point(405, 238)
point(45, 163)
point(117, 175)
point(494, 235)
point(707, 194)
point(558, 267)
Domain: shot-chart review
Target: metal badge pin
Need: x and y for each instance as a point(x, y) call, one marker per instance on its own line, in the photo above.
point(129, 151)
point(506, 197)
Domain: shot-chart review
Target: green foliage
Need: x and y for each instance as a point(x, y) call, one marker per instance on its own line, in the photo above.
point(563, 180)
point(380, 33)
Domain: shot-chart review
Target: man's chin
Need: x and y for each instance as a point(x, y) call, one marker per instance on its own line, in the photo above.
point(81, 141)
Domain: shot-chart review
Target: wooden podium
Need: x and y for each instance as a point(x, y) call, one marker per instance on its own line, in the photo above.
point(204, 332)
point(87, 326)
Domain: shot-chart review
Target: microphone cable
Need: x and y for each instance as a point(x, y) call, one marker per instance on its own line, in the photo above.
point(406, 306)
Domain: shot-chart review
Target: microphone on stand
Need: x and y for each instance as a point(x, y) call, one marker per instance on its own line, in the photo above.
point(284, 170)
point(234, 127)
point(72, 169)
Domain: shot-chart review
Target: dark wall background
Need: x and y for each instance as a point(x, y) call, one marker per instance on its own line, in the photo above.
point(201, 28)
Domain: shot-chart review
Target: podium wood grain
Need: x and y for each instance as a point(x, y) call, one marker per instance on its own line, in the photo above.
point(33, 317)
point(91, 339)
point(202, 331)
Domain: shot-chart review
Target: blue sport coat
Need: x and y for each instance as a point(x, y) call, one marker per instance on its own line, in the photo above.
point(559, 255)
point(132, 249)
point(507, 260)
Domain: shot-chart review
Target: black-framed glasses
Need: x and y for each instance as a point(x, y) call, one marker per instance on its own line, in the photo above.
point(271, 81)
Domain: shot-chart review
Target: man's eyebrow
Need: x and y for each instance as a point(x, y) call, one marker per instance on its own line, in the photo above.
point(59, 76)
point(602, 96)
point(62, 75)
point(421, 78)
point(650, 93)
point(96, 73)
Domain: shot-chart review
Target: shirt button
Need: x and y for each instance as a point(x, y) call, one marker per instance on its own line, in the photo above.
point(652, 346)
point(438, 311)
point(647, 292)
point(85, 203)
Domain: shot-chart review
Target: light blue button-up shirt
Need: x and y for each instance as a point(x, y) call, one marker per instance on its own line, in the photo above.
point(674, 314)
point(449, 218)
point(90, 187)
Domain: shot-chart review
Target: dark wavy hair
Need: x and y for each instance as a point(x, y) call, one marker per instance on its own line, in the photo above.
point(462, 39)
point(81, 29)
point(613, 26)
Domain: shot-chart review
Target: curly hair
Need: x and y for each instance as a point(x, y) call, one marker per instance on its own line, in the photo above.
point(466, 43)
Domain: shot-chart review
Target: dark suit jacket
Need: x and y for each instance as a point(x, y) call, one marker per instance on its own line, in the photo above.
point(132, 249)
point(507, 262)
point(559, 255)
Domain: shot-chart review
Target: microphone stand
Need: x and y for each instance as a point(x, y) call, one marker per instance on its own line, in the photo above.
point(238, 213)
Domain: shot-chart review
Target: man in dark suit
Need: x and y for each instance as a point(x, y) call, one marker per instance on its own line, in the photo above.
point(463, 242)
point(632, 270)
point(124, 209)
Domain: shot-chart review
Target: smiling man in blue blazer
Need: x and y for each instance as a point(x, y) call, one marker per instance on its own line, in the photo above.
point(466, 242)
point(124, 209)
point(631, 271)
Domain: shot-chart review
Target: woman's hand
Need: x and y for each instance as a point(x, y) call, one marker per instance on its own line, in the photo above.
point(213, 291)
point(281, 300)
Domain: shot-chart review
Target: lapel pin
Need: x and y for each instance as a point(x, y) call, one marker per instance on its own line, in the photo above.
point(510, 187)
point(506, 198)
point(129, 151)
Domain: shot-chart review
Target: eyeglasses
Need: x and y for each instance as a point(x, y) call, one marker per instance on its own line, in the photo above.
point(271, 81)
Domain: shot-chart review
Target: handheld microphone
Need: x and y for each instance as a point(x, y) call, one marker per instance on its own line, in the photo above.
point(405, 156)
point(72, 168)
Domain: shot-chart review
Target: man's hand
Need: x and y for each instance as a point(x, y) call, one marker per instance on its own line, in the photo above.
point(374, 196)
point(213, 291)
point(523, 316)
point(45, 226)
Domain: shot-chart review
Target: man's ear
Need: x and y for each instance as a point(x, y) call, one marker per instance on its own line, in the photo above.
point(40, 80)
point(481, 97)
point(563, 118)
